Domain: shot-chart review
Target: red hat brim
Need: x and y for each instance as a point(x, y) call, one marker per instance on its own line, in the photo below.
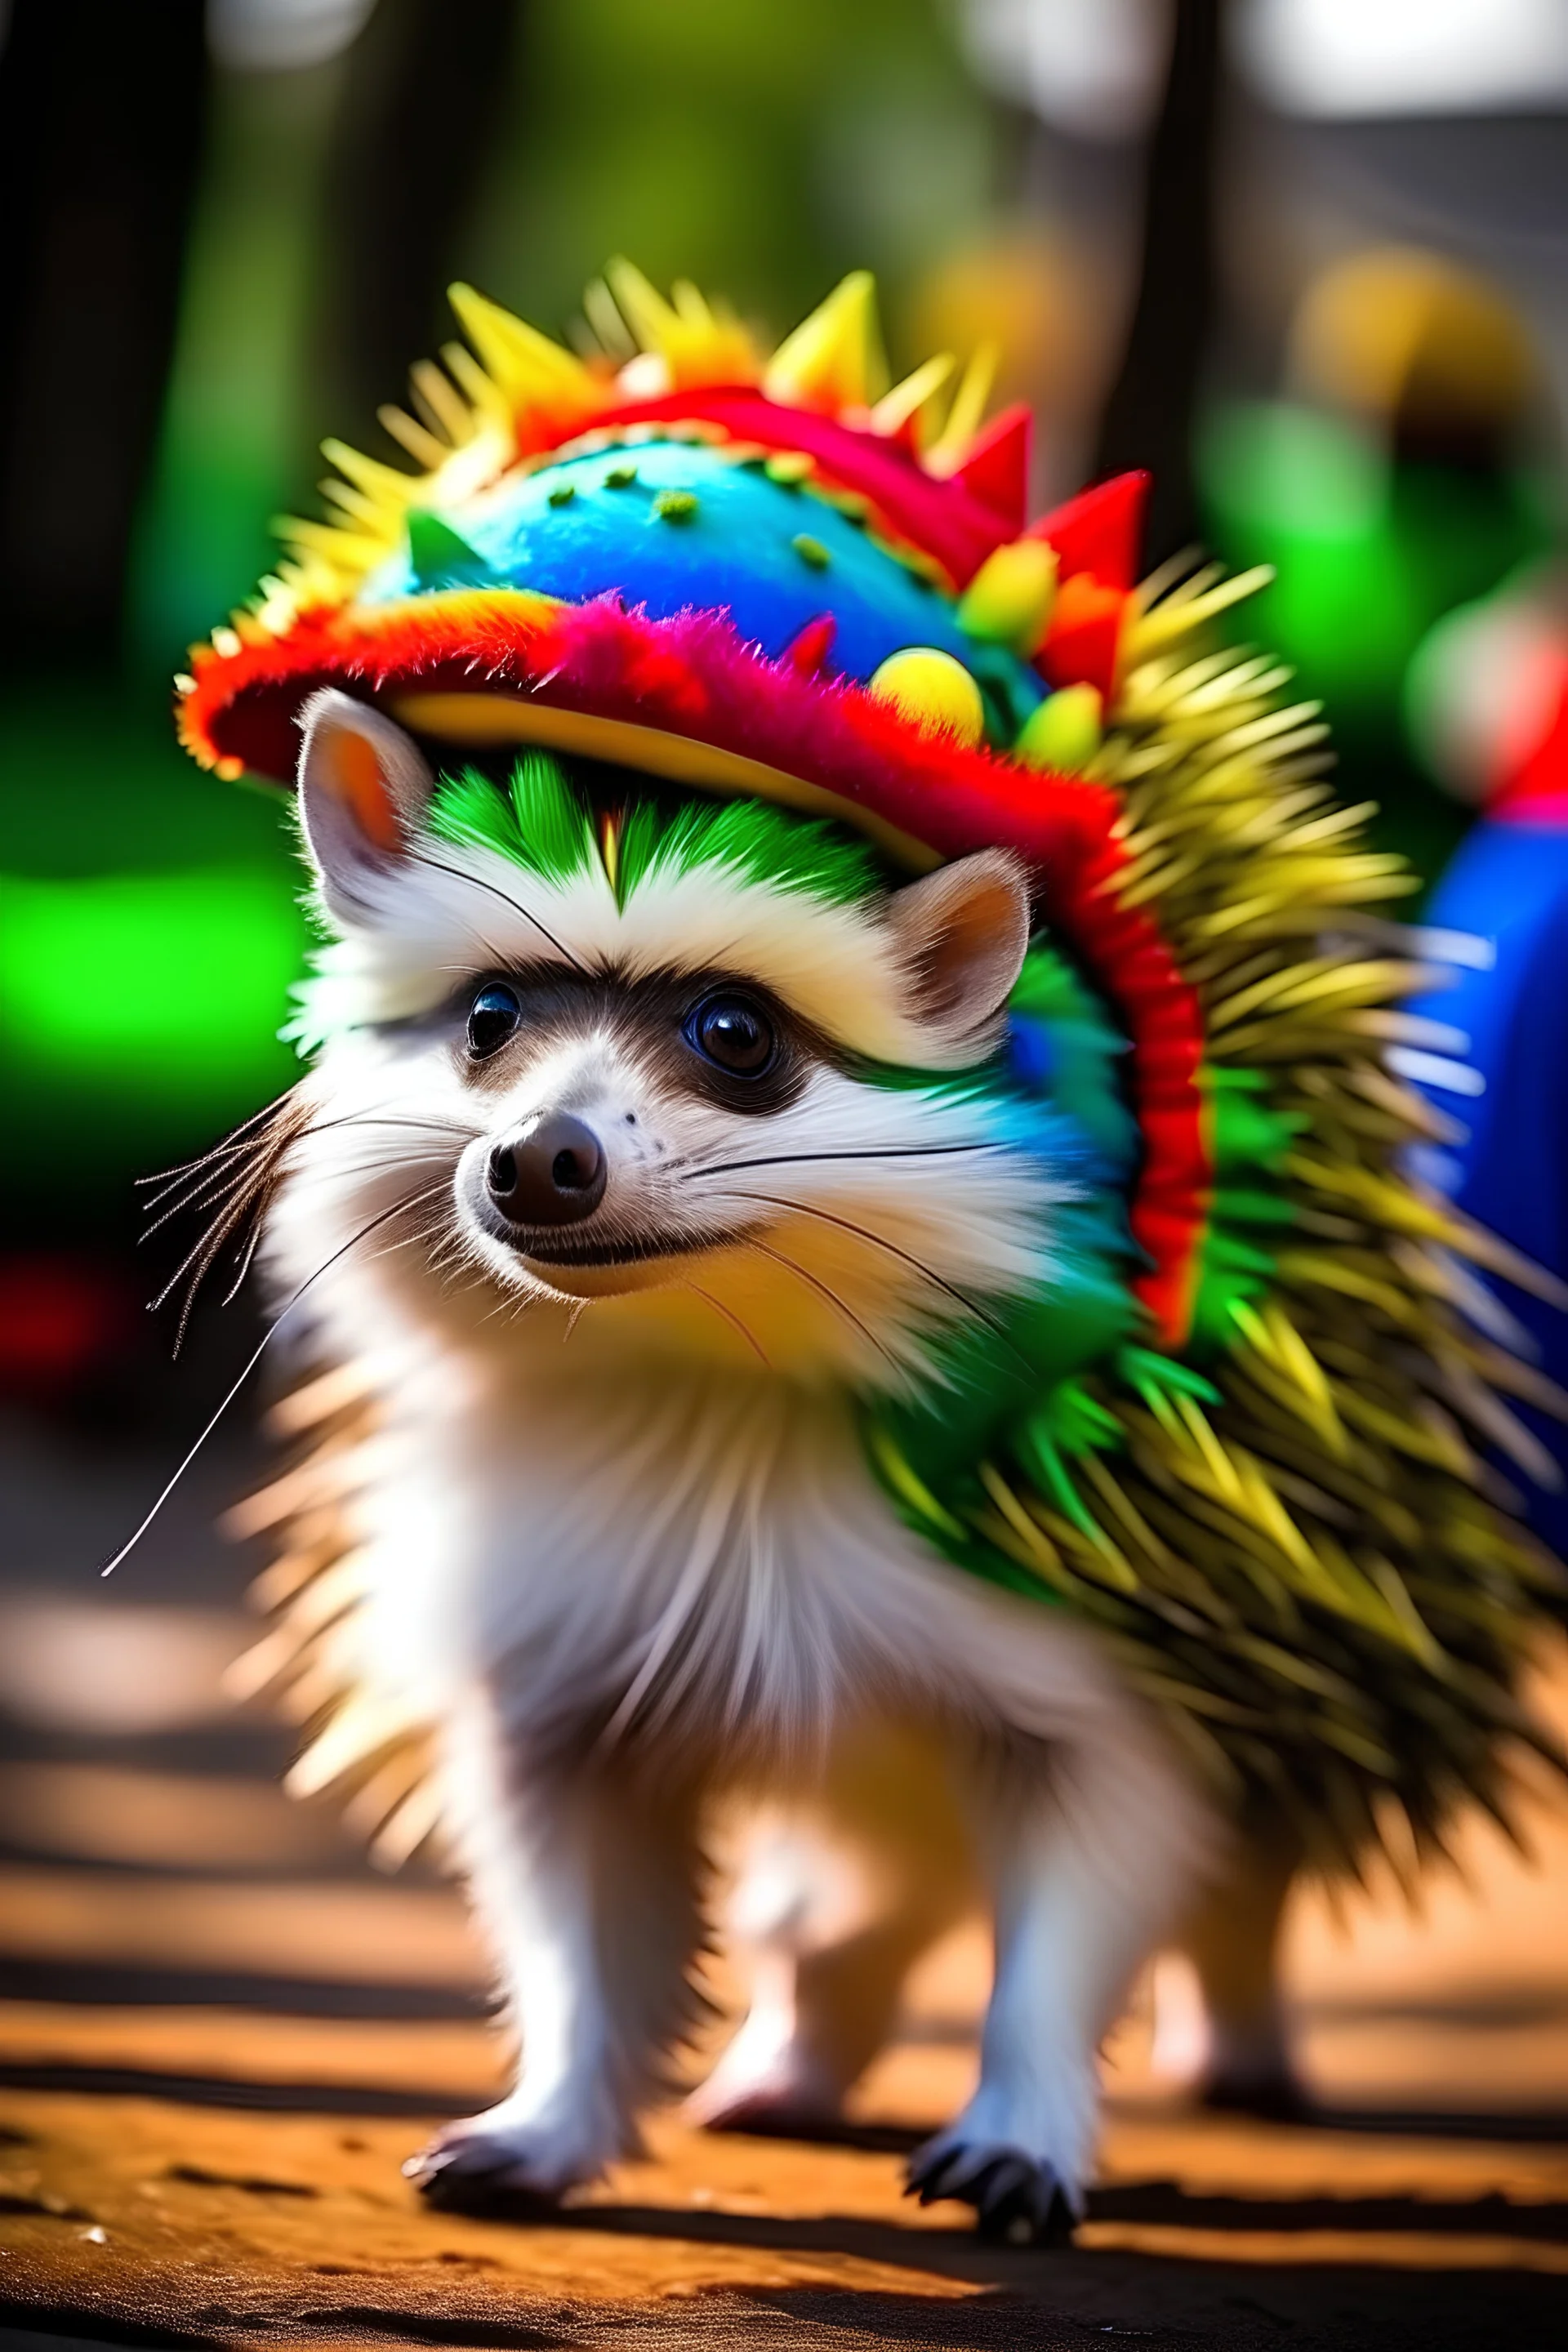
point(685, 698)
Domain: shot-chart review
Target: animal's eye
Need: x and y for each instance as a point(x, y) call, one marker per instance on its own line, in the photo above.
point(731, 1033)
point(492, 1016)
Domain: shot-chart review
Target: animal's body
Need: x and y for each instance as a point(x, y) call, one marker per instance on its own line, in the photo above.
point(622, 1545)
point(825, 1298)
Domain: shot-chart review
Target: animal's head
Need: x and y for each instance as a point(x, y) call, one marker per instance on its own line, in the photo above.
point(702, 1057)
point(710, 1037)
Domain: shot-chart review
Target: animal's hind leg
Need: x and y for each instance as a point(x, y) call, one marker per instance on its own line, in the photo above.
point(1225, 2029)
point(585, 1879)
point(838, 1897)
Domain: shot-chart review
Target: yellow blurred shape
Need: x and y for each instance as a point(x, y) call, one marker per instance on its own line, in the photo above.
point(1026, 293)
point(1399, 335)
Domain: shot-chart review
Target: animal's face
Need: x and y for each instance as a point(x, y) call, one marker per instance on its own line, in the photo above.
point(665, 1062)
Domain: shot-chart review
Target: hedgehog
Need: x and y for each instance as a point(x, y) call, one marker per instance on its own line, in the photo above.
point(849, 1237)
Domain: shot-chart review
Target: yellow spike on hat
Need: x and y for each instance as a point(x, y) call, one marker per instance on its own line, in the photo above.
point(485, 396)
point(381, 484)
point(691, 304)
point(409, 434)
point(963, 418)
point(651, 318)
point(1009, 600)
point(907, 399)
point(603, 315)
point(698, 344)
point(530, 369)
point(834, 360)
point(439, 398)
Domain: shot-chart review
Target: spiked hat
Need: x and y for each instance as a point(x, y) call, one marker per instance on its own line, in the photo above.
point(774, 576)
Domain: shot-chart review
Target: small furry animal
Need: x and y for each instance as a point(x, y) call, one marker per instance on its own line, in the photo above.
point(851, 1208)
point(620, 1204)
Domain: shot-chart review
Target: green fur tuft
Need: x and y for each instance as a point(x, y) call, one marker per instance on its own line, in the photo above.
point(752, 841)
point(538, 822)
point(542, 822)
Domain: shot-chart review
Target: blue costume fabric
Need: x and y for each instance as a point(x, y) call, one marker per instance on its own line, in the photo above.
point(1508, 884)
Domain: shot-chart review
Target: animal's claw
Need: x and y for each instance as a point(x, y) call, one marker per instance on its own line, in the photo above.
point(940, 2169)
point(1016, 2199)
point(476, 2175)
point(1021, 2203)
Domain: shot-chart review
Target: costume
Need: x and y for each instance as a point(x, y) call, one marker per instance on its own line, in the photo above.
point(1502, 1157)
point(1234, 1431)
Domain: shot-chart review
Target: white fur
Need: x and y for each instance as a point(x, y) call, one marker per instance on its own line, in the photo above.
point(620, 1543)
point(834, 963)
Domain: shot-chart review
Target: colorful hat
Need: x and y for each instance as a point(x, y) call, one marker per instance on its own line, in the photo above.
point(749, 575)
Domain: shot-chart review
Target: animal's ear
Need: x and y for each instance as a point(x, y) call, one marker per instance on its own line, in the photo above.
point(961, 935)
point(363, 787)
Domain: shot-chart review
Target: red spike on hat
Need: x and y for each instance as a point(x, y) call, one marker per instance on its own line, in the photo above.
point(1084, 638)
point(1100, 531)
point(808, 651)
point(996, 470)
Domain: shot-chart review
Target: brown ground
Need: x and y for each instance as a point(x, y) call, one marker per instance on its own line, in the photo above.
point(219, 2033)
point(287, 2220)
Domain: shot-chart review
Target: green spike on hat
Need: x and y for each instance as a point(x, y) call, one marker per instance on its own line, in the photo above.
point(441, 557)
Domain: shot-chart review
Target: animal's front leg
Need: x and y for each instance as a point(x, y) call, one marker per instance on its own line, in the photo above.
point(1083, 1883)
point(585, 1882)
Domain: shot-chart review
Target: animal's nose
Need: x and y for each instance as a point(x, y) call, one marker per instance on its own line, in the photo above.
point(554, 1175)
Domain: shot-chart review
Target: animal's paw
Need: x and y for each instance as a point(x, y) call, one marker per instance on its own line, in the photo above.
point(497, 2164)
point(1275, 2096)
point(1016, 2198)
point(786, 2097)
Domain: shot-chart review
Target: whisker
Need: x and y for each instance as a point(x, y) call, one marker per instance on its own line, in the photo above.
point(197, 1198)
point(231, 1215)
point(214, 1233)
point(238, 1142)
point(478, 883)
point(228, 1143)
point(240, 1193)
point(825, 1290)
point(247, 1255)
point(385, 1217)
point(803, 1159)
point(217, 1165)
point(727, 1315)
point(248, 1188)
point(880, 1241)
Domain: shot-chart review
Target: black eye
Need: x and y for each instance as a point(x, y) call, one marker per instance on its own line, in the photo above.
point(733, 1033)
point(492, 1016)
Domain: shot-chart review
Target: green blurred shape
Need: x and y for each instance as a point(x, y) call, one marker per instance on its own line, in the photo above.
point(1369, 547)
point(760, 149)
point(235, 443)
point(1369, 551)
point(160, 989)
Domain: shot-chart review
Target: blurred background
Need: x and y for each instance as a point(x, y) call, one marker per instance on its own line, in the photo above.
point(1305, 258)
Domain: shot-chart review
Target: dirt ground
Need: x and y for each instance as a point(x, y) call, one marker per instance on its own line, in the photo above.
point(201, 2173)
point(220, 2032)
point(144, 2218)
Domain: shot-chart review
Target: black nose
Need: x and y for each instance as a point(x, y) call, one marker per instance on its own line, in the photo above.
point(553, 1176)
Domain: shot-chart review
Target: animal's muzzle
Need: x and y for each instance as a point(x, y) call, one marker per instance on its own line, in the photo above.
point(553, 1175)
